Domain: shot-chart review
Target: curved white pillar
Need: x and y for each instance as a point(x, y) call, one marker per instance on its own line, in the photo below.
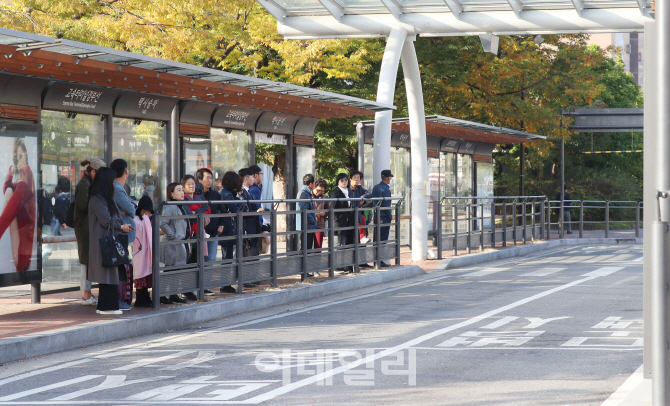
point(419, 153)
point(385, 91)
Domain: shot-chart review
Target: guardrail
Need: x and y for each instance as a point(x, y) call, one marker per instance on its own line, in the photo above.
point(606, 206)
point(240, 270)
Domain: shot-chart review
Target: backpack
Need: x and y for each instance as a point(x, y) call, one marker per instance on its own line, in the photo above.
point(61, 207)
point(69, 216)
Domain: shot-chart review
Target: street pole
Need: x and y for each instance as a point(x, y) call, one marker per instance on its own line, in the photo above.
point(659, 234)
point(522, 171)
point(561, 221)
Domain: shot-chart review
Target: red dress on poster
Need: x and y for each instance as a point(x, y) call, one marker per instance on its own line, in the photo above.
point(20, 205)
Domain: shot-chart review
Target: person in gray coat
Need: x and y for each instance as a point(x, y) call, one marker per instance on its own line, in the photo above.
point(121, 198)
point(174, 230)
point(103, 214)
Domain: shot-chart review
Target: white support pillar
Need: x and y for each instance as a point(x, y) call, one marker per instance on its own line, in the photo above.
point(419, 153)
point(385, 91)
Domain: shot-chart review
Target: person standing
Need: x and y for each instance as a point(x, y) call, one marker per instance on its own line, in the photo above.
point(321, 216)
point(251, 223)
point(215, 227)
point(231, 185)
point(358, 191)
point(175, 229)
point(385, 216)
point(127, 207)
point(103, 214)
point(567, 224)
point(81, 199)
point(343, 218)
point(305, 193)
point(256, 190)
point(142, 252)
point(61, 205)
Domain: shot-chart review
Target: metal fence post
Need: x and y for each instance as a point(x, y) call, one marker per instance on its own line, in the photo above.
point(581, 219)
point(273, 247)
point(533, 219)
point(481, 227)
point(523, 221)
point(201, 256)
point(504, 213)
point(378, 249)
point(468, 229)
point(493, 223)
point(637, 220)
point(240, 250)
point(455, 220)
point(439, 228)
point(397, 233)
point(331, 240)
point(303, 241)
point(542, 219)
point(357, 254)
point(607, 219)
point(514, 221)
point(155, 258)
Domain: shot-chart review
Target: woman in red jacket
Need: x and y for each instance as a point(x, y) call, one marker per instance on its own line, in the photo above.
point(20, 208)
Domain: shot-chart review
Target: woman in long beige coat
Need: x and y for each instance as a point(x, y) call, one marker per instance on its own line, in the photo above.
point(103, 215)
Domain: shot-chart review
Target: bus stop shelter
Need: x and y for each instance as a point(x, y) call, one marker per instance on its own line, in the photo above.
point(400, 21)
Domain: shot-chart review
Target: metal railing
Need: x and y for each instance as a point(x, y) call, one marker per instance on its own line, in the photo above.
point(241, 270)
point(597, 208)
point(469, 222)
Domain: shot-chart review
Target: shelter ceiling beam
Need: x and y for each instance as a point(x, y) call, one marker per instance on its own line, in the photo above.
point(393, 7)
point(579, 6)
point(276, 11)
point(517, 7)
point(333, 8)
point(455, 7)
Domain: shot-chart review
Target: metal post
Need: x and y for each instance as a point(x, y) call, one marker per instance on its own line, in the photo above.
point(522, 169)
point(331, 240)
point(581, 219)
point(481, 227)
point(493, 223)
point(155, 258)
point(273, 247)
point(303, 241)
point(455, 220)
point(637, 220)
point(523, 221)
point(468, 218)
point(542, 219)
point(240, 250)
point(439, 228)
point(607, 219)
point(533, 219)
point(378, 247)
point(357, 254)
point(659, 314)
point(504, 213)
point(514, 221)
point(201, 256)
point(562, 213)
point(548, 220)
point(397, 233)
point(35, 293)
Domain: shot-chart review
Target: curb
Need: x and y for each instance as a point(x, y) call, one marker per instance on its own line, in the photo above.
point(518, 251)
point(15, 349)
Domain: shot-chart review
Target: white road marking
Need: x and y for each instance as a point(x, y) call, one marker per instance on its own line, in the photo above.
point(639, 259)
point(43, 371)
point(411, 343)
point(111, 382)
point(41, 389)
point(150, 361)
point(624, 390)
point(486, 272)
point(604, 271)
point(536, 322)
point(500, 322)
point(544, 272)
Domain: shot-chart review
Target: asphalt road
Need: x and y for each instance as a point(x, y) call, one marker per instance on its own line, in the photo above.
point(562, 327)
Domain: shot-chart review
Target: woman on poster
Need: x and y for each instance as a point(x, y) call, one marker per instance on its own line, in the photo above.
point(20, 207)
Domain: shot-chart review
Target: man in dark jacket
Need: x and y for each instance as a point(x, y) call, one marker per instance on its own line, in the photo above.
point(305, 193)
point(250, 223)
point(566, 209)
point(385, 216)
point(214, 228)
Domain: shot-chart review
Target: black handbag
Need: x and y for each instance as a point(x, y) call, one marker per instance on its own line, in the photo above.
point(114, 249)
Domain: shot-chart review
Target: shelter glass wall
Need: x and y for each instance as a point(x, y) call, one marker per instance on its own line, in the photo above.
point(306, 163)
point(485, 189)
point(230, 150)
point(464, 170)
point(143, 147)
point(197, 153)
point(65, 143)
point(449, 173)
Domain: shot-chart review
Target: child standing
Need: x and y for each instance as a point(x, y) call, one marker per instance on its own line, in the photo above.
point(142, 249)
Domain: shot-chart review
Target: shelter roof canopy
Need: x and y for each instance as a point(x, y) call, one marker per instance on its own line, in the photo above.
point(41, 56)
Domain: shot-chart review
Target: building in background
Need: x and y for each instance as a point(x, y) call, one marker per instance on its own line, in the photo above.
point(633, 51)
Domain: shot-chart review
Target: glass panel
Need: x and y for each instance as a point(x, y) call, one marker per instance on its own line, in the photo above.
point(306, 159)
point(368, 177)
point(360, 3)
point(143, 147)
point(434, 179)
point(196, 154)
point(420, 3)
point(230, 151)
point(65, 143)
point(485, 189)
point(464, 170)
point(449, 174)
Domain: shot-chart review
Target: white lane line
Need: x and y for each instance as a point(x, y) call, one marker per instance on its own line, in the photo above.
point(639, 259)
point(604, 271)
point(43, 371)
point(544, 272)
point(411, 343)
point(486, 272)
point(48, 387)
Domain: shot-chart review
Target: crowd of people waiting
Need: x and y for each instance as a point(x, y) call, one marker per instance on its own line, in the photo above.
point(102, 204)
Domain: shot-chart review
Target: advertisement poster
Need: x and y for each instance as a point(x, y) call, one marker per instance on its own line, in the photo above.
point(18, 204)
